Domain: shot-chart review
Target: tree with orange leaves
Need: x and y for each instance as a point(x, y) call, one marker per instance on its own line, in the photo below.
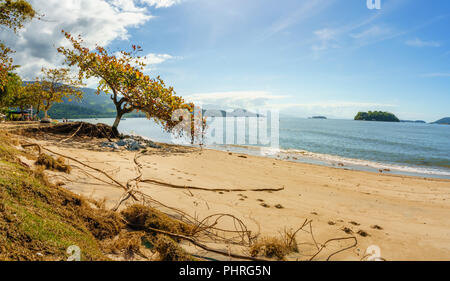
point(121, 76)
point(53, 87)
point(13, 14)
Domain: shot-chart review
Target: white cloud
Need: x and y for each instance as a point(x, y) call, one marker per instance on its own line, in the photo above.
point(261, 100)
point(420, 43)
point(97, 21)
point(235, 99)
point(152, 59)
point(127, 5)
point(267, 100)
point(326, 39)
point(161, 3)
point(325, 34)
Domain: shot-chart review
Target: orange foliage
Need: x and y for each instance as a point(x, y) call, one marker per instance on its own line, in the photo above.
point(122, 77)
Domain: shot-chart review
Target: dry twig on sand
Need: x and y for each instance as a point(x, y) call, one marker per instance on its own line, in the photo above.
point(76, 132)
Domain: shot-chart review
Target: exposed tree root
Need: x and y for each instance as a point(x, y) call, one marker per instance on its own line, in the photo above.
point(207, 228)
point(210, 189)
point(79, 162)
point(79, 129)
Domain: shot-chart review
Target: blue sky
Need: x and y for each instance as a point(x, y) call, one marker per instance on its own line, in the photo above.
point(338, 53)
point(326, 57)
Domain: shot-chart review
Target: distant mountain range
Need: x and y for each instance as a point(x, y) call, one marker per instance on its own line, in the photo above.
point(229, 113)
point(101, 106)
point(443, 121)
point(91, 106)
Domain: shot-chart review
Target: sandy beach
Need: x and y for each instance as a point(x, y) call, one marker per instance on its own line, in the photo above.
point(406, 217)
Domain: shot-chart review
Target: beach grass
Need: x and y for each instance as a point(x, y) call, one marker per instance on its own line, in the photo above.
point(39, 221)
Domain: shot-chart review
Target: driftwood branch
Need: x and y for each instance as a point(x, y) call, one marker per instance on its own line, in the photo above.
point(209, 189)
point(76, 132)
point(80, 162)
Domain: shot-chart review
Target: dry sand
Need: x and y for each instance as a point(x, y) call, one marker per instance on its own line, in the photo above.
point(412, 214)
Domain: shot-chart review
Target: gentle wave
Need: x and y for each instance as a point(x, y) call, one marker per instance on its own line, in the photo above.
point(331, 160)
point(405, 156)
point(366, 139)
point(366, 163)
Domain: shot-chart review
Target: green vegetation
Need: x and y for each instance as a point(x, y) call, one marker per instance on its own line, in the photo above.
point(10, 90)
point(92, 106)
point(13, 14)
point(122, 78)
point(53, 164)
point(39, 221)
point(275, 247)
point(55, 85)
point(377, 116)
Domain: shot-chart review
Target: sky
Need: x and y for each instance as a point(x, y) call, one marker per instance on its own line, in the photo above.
point(303, 57)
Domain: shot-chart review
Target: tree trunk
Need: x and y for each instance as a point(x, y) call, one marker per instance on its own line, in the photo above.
point(116, 123)
point(22, 118)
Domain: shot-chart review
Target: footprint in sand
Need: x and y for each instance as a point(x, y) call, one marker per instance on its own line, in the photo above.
point(363, 233)
point(347, 230)
point(377, 227)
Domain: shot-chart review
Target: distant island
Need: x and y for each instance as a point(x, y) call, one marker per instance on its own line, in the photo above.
point(318, 117)
point(376, 116)
point(443, 121)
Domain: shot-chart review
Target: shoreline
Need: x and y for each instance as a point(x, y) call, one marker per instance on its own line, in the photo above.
point(329, 160)
point(326, 160)
point(336, 161)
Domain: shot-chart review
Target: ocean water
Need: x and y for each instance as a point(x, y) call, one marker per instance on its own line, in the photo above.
point(403, 148)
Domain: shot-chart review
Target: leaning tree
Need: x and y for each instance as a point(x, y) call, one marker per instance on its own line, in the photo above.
point(122, 78)
point(13, 14)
